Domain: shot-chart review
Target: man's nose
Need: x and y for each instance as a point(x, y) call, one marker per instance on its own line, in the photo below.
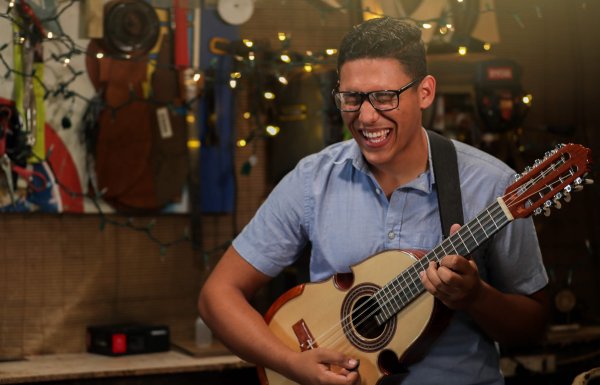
point(368, 113)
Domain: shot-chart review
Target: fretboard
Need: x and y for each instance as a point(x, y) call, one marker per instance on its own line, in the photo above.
point(407, 286)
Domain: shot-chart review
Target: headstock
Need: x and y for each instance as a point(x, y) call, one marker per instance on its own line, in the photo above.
point(542, 186)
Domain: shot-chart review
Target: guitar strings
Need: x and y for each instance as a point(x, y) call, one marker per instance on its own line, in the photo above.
point(510, 199)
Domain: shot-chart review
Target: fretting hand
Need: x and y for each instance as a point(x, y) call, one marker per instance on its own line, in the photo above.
point(454, 280)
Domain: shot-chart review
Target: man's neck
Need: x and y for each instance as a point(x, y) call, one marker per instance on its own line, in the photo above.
point(412, 163)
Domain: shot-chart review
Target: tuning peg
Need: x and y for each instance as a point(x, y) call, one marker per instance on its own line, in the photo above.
point(556, 200)
point(567, 195)
point(516, 177)
point(547, 206)
point(588, 181)
point(537, 211)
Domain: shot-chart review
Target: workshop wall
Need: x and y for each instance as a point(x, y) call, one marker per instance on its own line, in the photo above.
point(60, 273)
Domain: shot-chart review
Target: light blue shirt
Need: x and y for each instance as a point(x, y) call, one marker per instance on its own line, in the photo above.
point(332, 200)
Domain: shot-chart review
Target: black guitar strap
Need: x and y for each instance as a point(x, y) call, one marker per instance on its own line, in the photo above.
point(447, 181)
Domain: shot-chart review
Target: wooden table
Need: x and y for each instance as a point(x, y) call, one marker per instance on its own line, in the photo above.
point(62, 367)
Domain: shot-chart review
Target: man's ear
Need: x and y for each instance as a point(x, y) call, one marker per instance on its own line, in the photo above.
point(426, 91)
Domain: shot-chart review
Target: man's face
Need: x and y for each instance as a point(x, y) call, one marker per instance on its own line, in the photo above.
point(384, 135)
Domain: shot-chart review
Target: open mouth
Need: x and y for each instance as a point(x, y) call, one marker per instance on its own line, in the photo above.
point(375, 136)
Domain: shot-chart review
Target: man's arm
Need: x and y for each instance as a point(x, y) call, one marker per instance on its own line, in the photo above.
point(224, 305)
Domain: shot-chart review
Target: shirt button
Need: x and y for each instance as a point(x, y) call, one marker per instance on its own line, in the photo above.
point(391, 235)
point(378, 191)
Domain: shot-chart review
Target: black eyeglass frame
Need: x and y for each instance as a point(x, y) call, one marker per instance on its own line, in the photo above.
point(367, 95)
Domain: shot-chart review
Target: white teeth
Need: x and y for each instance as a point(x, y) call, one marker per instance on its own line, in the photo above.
point(376, 136)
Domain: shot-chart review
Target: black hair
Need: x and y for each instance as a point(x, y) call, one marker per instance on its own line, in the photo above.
point(386, 37)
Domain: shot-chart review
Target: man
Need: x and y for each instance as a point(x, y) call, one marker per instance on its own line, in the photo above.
point(373, 193)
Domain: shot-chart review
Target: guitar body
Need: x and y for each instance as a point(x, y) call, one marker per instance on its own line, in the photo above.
point(313, 313)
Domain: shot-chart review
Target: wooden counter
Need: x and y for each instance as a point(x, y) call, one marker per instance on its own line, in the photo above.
point(45, 368)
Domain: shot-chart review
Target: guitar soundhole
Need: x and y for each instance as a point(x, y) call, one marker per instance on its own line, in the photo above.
point(358, 320)
point(363, 318)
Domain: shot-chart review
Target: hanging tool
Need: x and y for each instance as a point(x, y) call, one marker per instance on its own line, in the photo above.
point(5, 163)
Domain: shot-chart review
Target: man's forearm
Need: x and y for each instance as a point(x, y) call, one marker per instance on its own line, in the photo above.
point(510, 318)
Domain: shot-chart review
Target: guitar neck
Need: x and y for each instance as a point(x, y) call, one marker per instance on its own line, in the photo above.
point(407, 286)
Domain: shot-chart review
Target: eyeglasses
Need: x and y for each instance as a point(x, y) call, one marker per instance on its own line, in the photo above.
point(383, 100)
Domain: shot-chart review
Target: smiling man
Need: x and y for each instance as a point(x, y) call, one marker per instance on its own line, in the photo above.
point(373, 193)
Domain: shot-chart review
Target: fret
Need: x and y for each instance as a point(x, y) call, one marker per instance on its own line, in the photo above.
point(493, 221)
point(481, 227)
point(472, 236)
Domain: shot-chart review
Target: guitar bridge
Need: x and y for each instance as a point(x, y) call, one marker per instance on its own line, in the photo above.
point(304, 336)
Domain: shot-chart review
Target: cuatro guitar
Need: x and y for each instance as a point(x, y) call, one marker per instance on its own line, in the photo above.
point(387, 320)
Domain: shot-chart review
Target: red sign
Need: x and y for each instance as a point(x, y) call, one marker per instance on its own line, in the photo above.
point(500, 73)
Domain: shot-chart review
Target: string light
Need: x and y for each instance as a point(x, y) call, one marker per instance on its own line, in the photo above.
point(194, 144)
point(285, 58)
point(462, 50)
point(272, 130)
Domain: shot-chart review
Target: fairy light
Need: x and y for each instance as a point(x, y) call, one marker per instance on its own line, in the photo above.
point(232, 83)
point(194, 144)
point(283, 80)
point(241, 143)
point(269, 95)
point(331, 51)
point(247, 115)
point(99, 55)
point(462, 50)
point(487, 46)
point(308, 67)
point(527, 99)
point(272, 130)
point(285, 58)
point(197, 76)
point(248, 43)
point(49, 35)
point(281, 36)
point(427, 25)
point(251, 56)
